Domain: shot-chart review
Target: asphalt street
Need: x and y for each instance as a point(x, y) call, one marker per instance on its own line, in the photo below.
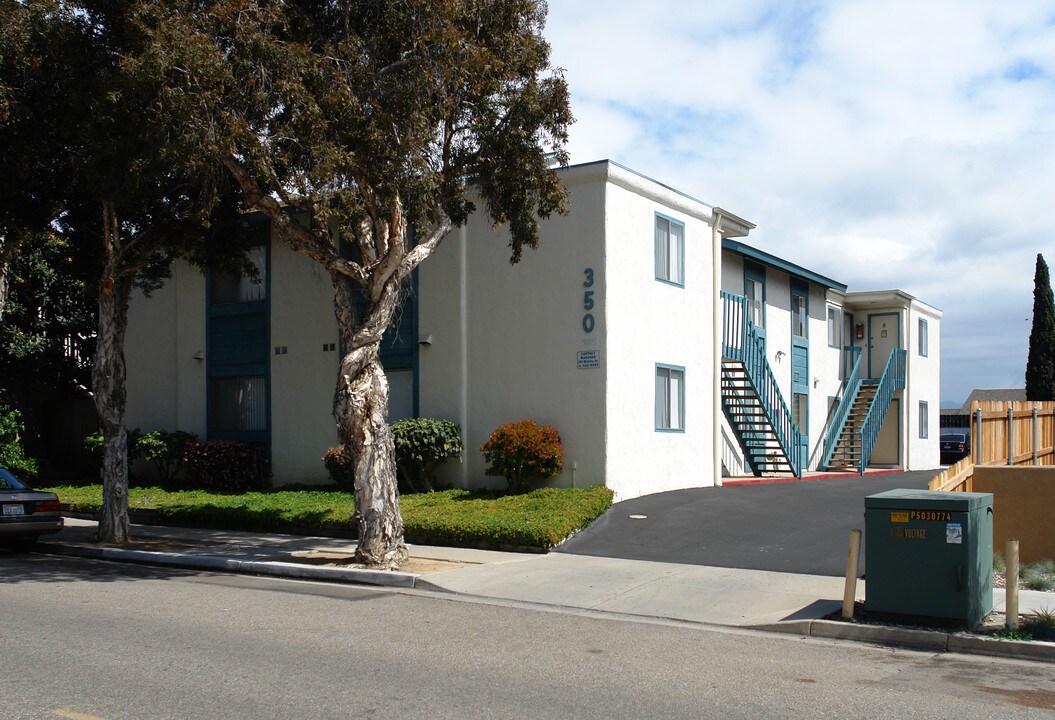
point(96, 641)
point(796, 527)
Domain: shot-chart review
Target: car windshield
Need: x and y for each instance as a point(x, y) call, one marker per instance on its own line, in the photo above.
point(954, 437)
point(10, 482)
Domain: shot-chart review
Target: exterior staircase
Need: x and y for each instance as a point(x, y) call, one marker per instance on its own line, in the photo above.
point(853, 432)
point(751, 400)
point(847, 452)
point(743, 408)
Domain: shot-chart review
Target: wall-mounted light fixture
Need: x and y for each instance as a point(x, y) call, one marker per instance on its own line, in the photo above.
point(425, 339)
point(780, 355)
point(200, 355)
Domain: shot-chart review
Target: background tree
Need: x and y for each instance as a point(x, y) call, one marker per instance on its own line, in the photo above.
point(1040, 365)
point(350, 122)
point(125, 192)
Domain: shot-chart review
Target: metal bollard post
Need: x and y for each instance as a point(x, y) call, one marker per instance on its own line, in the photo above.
point(850, 589)
point(1011, 584)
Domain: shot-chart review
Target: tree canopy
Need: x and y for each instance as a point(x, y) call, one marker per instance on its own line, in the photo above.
point(365, 118)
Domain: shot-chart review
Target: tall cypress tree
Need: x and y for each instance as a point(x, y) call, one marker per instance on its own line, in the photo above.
point(1040, 367)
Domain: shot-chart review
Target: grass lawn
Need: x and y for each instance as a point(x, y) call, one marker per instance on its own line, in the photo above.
point(538, 520)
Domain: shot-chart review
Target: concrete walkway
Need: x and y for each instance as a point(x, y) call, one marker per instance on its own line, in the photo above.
point(773, 601)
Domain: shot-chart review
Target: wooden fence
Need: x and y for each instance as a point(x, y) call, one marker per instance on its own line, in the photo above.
point(1003, 433)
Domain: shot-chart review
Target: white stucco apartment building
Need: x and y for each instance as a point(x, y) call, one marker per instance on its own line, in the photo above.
point(612, 331)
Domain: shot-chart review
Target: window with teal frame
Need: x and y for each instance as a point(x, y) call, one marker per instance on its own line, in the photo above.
point(923, 337)
point(670, 398)
point(924, 420)
point(670, 250)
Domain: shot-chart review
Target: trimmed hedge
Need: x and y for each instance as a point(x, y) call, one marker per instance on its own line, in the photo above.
point(538, 520)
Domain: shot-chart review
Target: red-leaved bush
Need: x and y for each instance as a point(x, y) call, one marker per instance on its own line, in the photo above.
point(224, 465)
point(338, 462)
point(524, 453)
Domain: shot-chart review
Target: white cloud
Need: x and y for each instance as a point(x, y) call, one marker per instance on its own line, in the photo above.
point(882, 143)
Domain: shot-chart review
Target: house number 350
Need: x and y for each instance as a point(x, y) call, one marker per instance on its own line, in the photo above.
point(587, 301)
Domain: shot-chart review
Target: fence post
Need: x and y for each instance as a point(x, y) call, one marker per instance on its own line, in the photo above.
point(978, 437)
point(1036, 434)
point(1010, 436)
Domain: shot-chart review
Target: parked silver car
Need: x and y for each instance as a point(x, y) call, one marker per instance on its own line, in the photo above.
point(26, 514)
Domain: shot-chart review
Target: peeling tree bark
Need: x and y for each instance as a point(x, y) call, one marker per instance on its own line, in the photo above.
point(360, 407)
point(108, 384)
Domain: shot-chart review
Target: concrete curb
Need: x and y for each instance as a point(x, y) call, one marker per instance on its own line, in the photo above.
point(933, 640)
point(388, 578)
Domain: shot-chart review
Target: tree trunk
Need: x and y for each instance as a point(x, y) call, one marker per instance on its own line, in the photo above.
point(360, 407)
point(8, 247)
point(109, 391)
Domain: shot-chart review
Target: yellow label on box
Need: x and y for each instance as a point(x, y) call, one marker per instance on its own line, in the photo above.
point(899, 517)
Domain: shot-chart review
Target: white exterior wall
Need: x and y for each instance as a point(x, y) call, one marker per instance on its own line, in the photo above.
point(166, 384)
point(652, 322)
point(304, 376)
point(504, 339)
point(923, 384)
point(824, 369)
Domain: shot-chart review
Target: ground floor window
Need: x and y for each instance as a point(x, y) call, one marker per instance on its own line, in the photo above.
point(239, 404)
point(670, 397)
point(924, 429)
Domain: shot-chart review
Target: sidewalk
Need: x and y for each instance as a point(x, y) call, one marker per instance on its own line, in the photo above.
point(772, 601)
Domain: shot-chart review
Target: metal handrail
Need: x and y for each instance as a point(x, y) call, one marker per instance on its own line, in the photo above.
point(741, 342)
point(846, 402)
point(893, 379)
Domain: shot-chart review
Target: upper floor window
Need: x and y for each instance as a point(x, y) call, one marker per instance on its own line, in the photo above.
point(835, 327)
point(670, 250)
point(923, 337)
point(800, 310)
point(924, 420)
point(755, 290)
point(230, 288)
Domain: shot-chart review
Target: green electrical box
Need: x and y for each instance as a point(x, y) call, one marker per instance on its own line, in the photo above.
point(929, 553)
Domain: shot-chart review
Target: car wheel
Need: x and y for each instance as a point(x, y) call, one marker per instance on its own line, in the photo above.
point(23, 544)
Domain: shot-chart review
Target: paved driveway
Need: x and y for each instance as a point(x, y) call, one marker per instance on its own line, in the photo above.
point(797, 527)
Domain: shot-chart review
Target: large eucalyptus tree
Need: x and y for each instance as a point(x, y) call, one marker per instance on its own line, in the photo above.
point(359, 120)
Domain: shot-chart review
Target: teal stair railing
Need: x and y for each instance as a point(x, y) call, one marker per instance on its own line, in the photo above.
point(741, 343)
point(893, 380)
point(846, 402)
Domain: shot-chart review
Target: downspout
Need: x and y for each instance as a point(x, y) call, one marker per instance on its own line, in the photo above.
point(717, 333)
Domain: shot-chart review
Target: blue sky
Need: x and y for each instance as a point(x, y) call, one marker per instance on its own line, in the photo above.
point(886, 144)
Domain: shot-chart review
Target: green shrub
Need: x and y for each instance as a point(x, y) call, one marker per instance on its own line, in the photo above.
point(421, 445)
point(339, 463)
point(164, 450)
point(94, 445)
point(12, 456)
point(524, 453)
point(224, 465)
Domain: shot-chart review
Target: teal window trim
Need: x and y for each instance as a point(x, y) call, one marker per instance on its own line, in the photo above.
point(663, 415)
point(663, 252)
point(256, 367)
point(835, 327)
point(754, 272)
point(800, 289)
point(924, 419)
point(923, 338)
